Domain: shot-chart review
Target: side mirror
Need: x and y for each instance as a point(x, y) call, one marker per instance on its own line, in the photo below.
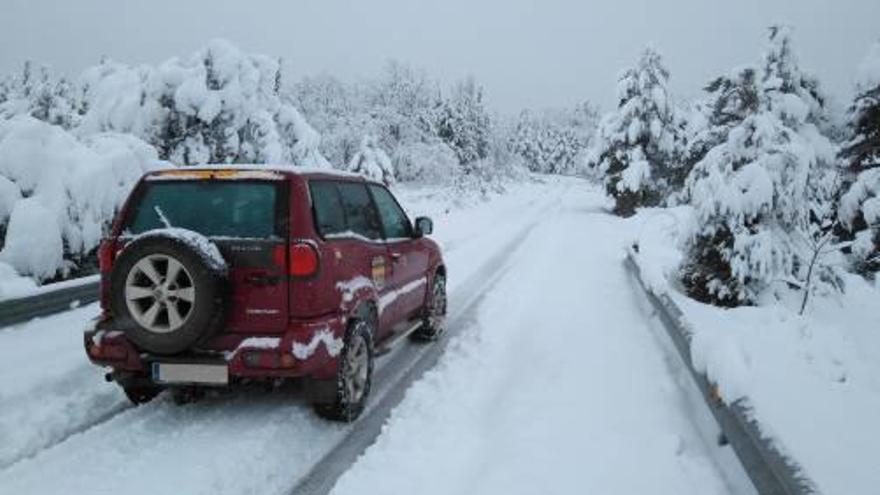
point(424, 226)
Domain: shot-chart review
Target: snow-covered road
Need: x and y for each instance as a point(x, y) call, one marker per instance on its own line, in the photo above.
point(560, 387)
point(557, 386)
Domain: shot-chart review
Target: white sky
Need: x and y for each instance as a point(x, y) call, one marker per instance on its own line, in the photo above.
point(526, 53)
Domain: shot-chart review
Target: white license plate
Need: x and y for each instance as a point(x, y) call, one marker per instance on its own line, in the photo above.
point(209, 374)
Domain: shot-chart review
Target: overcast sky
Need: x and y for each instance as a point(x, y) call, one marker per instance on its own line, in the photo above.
point(526, 53)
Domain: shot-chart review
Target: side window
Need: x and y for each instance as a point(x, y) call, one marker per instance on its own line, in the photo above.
point(394, 220)
point(329, 215)
point(360, 214)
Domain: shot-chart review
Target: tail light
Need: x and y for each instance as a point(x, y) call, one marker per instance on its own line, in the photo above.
point(304, 260)
point(106, 255)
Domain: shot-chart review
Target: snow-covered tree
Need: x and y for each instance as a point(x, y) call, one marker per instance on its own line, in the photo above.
point(860, 205)
point(59, 192)
point(400, 105)
point(338, 111)
point(760, 191)
point(39, 93)
point(463, 123)
point(637, 146)
point(372, 162)
point(548, 144)
point(218, 106)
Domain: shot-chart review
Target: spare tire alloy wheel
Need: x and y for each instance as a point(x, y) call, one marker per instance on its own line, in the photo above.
point(166, 295)
point(159, 293)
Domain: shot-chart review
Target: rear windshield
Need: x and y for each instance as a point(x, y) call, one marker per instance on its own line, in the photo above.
point(211, 208)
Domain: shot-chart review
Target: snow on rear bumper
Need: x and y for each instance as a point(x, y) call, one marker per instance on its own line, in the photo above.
point(307, 349)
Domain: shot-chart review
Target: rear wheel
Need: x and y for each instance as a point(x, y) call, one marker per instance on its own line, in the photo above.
point(141, 394)
point(434, 321)
point(353, 377)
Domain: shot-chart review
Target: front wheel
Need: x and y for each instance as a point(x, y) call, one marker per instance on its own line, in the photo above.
point(353, 377)
point(434, 320)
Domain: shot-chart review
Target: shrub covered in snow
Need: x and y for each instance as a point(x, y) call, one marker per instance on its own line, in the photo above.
point(372, 162)
point(58, 192)
point(337, 110)
point(760, 190)
point(400, 108)
point(556, 141)
point(860, 205)
point(637, 146)
point(35, 91)
point(218, 106)
point(463, 123)
point(428, 162)
point(430, 136)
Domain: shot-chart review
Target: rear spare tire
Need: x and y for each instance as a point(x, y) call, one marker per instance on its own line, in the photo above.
point(166, 290)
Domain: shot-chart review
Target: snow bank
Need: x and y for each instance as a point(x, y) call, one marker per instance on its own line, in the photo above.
point(812, 382)
point(60, 191)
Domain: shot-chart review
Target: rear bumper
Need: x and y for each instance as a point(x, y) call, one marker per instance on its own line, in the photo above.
point(307, 349)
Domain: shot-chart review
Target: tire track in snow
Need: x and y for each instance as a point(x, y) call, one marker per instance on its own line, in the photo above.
point(64, 436)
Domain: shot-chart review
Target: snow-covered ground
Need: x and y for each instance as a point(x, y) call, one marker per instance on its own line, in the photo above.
point(811, 381)
point(559, 387)
point(62, 428)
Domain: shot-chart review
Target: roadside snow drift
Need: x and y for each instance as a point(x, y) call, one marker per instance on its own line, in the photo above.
point(812, 381)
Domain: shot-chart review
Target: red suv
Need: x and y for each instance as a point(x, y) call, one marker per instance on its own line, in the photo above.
point(214, 277)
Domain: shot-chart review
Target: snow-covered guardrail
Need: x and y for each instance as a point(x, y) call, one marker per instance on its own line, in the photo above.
point(771, 472)
point(50, 300)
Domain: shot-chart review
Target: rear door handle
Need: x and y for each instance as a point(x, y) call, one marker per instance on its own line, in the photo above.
point(395, 256)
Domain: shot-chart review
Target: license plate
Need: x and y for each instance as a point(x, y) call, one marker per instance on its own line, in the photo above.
point(207, 374)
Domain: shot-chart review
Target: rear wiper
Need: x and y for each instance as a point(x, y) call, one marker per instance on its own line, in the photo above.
point(162, 217)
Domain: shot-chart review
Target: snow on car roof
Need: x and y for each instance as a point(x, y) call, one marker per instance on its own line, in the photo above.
point(244, 171)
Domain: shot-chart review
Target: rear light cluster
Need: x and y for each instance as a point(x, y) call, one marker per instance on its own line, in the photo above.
point(106, 255)
point(302, 259)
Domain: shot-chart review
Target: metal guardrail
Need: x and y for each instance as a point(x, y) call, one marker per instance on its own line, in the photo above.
point(21, 309)
point(771, 472)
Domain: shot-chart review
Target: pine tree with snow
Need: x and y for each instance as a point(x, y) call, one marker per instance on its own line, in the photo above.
point(463, 123)
point(758, 194)
point(372, 162)
point(637, 147)
point(859, 212)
